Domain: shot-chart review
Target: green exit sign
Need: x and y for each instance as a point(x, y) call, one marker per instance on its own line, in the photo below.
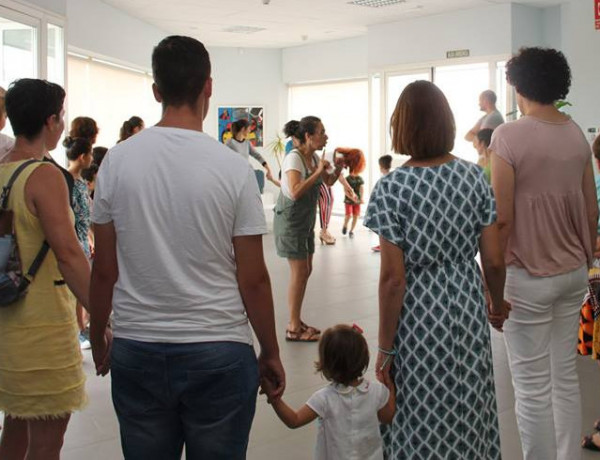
point(457, 54)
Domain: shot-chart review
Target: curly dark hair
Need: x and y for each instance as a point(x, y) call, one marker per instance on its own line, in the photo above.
point(540, 74)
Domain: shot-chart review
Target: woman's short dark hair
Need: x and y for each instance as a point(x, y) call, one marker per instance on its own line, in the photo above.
point(343, 354)
point(238, 125)
point(422, 125)
point(84, 127)
point(30, 102)
point(540, 74)
point(307, 125)
point(76, 146)
point(128, 126)
point(98, 154)
point(89, 174)
point(181, 67)
point(385, 161)
point(485, 136)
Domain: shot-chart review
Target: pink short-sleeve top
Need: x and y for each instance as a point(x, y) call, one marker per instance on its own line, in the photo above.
point(550, 232)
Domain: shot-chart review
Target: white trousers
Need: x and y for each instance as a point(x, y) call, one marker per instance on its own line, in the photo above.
point(541, 340)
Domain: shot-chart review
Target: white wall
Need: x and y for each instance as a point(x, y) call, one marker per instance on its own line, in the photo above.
point(336, 60)
point(551, 23)
point(484, 31)
point(102, 30)
point(249, 77)
point(581, 45)
point(526, 26)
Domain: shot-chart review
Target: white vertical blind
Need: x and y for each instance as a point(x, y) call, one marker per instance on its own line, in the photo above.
point(110, 95)
point(344, 109)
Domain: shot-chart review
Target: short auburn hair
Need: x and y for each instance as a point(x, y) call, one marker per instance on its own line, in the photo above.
point(422, 125)
point(343, 354)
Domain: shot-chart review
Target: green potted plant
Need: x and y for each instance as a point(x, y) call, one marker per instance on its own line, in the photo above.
point(277, 148)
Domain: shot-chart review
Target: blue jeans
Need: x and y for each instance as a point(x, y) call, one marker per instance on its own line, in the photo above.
point(201, 395)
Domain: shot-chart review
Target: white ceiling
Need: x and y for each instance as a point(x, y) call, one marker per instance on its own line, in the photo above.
point(286, 22)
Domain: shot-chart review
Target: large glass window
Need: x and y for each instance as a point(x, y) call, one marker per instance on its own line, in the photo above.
point(19, 53)
point(344, 109)
point(462, 85)
point(109, 94)
point(56, 55)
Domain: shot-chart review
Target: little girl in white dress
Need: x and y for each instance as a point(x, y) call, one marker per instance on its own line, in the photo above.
point(350, 408)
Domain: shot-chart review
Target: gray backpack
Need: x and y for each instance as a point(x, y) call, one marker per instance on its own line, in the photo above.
point(13, 281)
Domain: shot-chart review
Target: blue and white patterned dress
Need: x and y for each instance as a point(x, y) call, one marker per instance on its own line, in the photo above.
point(446, 404)
point(81, 209)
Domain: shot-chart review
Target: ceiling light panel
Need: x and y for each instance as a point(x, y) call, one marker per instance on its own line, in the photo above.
point(376, 3)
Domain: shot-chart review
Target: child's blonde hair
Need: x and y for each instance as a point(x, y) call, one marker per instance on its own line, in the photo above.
point(343, 354)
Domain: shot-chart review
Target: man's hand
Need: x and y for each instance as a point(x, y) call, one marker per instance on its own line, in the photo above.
point(272, 377)
point(101, 353)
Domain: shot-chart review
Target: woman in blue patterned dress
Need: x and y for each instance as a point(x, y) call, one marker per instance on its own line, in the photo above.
point(79, 153)
point(432, 215)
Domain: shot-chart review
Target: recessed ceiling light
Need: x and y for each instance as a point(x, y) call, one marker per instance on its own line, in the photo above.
point(376, 3)
point(243, 29)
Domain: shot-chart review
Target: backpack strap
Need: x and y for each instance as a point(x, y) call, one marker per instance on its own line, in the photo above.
point(6, 189)
point(41, 255)
point(35, 266)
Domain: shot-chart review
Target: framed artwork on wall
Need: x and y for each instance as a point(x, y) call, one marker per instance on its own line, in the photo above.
point(255, 115)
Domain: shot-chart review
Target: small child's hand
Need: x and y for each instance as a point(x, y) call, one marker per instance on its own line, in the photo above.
point(266, 388)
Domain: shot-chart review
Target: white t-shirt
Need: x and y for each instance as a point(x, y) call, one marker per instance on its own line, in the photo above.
point(348, 424)
point(293, 162)
point(177, 198)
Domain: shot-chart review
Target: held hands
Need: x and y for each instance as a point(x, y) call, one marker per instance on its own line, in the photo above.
point(497, 316)
point(101, 353)
point(272, 377)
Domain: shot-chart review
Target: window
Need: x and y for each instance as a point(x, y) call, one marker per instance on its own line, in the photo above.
point(345, 128)
point(461, 83)
point(109, 94)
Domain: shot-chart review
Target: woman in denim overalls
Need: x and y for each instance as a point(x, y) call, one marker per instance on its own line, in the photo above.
point(295, 214)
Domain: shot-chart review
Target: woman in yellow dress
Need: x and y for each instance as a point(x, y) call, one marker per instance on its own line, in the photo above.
point(41, 374)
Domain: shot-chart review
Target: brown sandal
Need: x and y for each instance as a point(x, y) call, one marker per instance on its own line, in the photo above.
point(307, 334)
point(304, 326)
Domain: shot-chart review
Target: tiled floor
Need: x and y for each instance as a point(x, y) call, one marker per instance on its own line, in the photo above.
point(343, 288)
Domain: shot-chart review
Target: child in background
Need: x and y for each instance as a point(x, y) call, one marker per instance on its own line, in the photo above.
point(79, 153)
point(385, 166)
point(482, 143)
point(355, 160)
point(349, 402)
point(89, 176)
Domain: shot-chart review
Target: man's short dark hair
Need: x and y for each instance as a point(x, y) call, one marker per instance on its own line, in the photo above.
point(181, 67)
point(540, 74)
point(30, 102)
point(422, 125)
point(490, 96)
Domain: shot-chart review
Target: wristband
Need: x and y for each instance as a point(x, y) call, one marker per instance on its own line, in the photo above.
point(391, 352)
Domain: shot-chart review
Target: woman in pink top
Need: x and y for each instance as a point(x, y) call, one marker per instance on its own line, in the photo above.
point(547, 213)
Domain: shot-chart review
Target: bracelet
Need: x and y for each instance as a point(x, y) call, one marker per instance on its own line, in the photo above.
point(391, 352)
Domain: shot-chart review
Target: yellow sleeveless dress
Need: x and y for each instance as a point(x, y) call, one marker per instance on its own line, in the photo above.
point(41, 373)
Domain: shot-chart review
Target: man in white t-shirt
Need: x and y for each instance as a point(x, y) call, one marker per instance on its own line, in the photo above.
point(178, 225)
point(492, 118)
